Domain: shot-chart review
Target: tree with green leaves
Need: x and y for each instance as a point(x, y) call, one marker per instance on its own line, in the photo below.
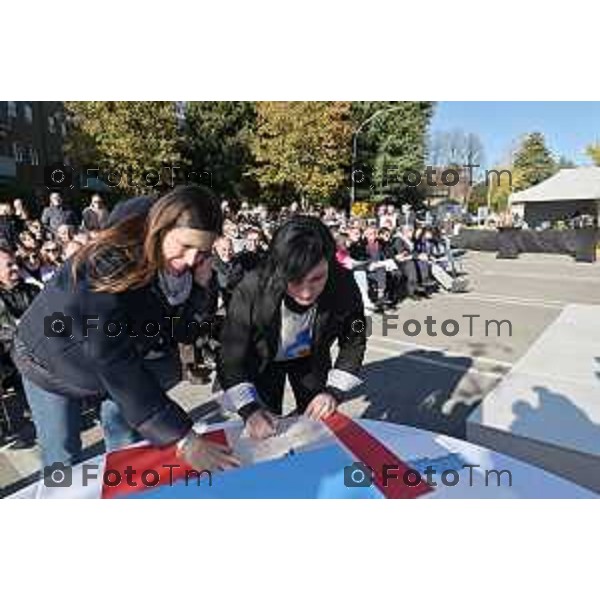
point(218, 140)
point(391, 144)
point(135, 144)
point(593, 151)
point(501, 182)
point(478, 197)
point(301, 149)
point(533, 162)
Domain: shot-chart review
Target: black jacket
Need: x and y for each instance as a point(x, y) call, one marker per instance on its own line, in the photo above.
point(358, 250)
point(250, 337)
point(13, 303)
point(252, 260)
point(228, 275)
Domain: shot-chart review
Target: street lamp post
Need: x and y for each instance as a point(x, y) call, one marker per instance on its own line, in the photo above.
point(355, 144)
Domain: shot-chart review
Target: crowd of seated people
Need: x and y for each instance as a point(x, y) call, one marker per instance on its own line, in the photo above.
point(390, 261)
point(391, 264)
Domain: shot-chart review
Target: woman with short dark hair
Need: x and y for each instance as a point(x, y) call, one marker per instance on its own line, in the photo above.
point(282, 320)
point(84, 336)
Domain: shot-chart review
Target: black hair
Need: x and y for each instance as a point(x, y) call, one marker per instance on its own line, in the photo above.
point(298, 246)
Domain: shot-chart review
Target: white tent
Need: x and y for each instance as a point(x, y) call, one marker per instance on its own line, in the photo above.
point(566, 192)
point(581, 183)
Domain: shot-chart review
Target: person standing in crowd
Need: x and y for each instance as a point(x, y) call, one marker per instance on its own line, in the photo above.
point(152, 264)
point(254, 252)
point(15, 298)
point(21, 211)
point(227, 267)
point(56, 214)
point(283, 320)
point(95, 216)
point(9, 226)
point(232, 231)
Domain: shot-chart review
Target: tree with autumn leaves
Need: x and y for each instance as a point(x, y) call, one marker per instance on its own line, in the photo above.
point(277, 151)
point(132, 143)
point(301, 148)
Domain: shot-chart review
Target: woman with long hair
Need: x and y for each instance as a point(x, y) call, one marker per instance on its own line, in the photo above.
point(283, 319)
point(107, 326)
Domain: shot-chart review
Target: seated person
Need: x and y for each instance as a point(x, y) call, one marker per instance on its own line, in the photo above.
point(422, 261)
point(357, 246)
point(15, 298)
point(395, 284)
point(376, 275)
point(342, 256)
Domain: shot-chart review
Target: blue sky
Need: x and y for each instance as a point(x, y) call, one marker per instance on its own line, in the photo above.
point(567, 126)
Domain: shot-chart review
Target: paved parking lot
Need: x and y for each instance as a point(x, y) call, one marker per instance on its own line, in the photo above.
point(424, 380)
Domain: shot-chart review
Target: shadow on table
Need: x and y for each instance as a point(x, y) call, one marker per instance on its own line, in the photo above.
point(417, 389)
point(558, 414)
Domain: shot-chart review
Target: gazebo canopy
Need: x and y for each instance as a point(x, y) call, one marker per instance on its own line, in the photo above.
point(580, 183)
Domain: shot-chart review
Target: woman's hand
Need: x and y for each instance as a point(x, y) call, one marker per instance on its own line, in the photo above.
point(321, 406)
point(202, 454)
point(261, 424)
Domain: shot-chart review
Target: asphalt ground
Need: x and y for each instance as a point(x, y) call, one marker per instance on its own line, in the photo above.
point(424, 380)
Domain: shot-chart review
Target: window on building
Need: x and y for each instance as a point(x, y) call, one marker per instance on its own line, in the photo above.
point(28, 112)
point(25, 155)
point(12, 110)
point(51, 124)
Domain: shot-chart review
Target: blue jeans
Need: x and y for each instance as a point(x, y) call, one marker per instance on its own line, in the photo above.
point(57, 418)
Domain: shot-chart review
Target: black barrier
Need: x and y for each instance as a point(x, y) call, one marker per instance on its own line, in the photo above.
point(586, 242)
point(509, 242)
point(485, 240)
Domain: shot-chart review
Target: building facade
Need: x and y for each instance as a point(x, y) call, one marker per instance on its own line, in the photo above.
point(32, 136)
